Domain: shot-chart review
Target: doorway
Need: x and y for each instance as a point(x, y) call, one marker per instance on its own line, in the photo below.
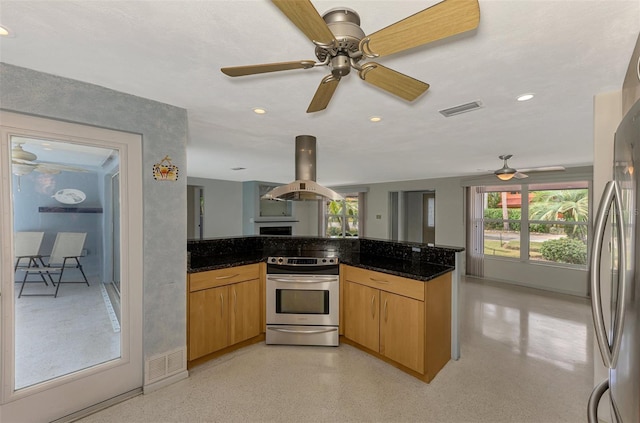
point(412, 216)
point(195, 212)
point(64, 347)
point(429, 217)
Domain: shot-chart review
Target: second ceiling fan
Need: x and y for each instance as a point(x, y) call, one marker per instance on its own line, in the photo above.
point(505, 173)
point(341, 44)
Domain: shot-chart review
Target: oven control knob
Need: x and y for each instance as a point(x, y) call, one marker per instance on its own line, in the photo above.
point(273, 259)
point(324, 260)
point(280, 260)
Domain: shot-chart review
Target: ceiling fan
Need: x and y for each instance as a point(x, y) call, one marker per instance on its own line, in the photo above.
point(505, 173)
point(341, 44)
point(24, 162)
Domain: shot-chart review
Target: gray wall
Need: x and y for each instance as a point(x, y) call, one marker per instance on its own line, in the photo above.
point(222, 207)
point(449, 208)
point(164, 132)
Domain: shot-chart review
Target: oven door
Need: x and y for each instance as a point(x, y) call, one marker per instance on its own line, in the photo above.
point(302, 300)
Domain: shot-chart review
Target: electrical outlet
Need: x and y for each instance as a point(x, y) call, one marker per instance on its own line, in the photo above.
point(378, 216)
point(415, 249)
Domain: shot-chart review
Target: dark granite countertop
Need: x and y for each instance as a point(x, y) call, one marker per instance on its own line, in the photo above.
point(215, 262)
point(412, 269)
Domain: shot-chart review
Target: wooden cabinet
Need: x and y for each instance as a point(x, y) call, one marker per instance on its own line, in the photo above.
point(208, 321)
point(402, 330)
point(403, 321)
point(362, 315)
point(225, 307)
point(244, 310)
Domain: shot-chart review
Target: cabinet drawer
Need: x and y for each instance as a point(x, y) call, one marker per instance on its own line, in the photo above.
point(214, 278)
point(385, 282)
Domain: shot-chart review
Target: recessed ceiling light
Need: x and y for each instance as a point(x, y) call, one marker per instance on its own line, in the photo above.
point(259, 111)
point(525, 97)
point(375, 119)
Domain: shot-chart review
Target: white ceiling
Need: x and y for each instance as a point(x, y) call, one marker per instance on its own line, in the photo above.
point(565, 51)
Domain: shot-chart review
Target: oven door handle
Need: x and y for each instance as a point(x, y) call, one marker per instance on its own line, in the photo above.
point(304, 280)
point(305, 331)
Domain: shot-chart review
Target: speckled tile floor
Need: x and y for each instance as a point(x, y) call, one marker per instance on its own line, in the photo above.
point(526, 357)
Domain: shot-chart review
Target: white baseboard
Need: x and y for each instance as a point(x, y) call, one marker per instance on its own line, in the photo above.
point(146, 389)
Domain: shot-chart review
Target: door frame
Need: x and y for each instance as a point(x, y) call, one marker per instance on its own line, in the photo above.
point(71, 393)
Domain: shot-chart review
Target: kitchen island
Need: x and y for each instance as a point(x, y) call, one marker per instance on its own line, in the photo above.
point(405, 294)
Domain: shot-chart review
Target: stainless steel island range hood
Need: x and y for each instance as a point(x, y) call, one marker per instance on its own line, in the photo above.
point(305, 186)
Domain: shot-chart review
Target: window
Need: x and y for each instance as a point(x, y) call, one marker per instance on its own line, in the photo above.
point(502, 221)
point(555, 218)
point(342, 217)
point(558, 222)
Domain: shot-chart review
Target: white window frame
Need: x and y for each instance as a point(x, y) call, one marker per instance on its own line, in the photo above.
point(525, 222)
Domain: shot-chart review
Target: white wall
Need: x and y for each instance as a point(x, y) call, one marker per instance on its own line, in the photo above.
point(222, 207)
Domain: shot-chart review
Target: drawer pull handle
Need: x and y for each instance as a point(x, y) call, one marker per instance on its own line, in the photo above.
point(373, 309)
point(386, 312)
point(380, 280)
point(221, 305)
point(235, 300)
point(227, 277)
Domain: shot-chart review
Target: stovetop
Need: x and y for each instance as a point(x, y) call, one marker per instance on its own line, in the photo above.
point(320, 260)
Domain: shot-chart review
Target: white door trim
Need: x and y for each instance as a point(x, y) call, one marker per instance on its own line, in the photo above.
point(68, 394)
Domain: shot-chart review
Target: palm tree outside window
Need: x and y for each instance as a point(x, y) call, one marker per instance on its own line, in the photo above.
point(342, 217)
point(537, 222)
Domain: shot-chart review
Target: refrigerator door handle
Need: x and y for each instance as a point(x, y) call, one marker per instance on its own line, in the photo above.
point(618, 323)
point(594, 400)
point(609, 354)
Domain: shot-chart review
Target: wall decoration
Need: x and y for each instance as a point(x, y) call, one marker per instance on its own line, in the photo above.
point(165, 170)
point(70, 196)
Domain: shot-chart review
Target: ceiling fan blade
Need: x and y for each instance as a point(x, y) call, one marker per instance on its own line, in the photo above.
point(392, 81)
point(323, 94)
point(267, 67)
point(544, 169)
point(21, 161)
point(520, 175)
point(442, 20)
point(59, 167)
point(308, 20)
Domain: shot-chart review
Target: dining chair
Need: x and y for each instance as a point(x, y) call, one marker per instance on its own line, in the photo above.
point(65, 254)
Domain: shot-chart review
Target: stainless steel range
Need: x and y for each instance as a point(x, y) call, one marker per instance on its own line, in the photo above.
point(302, 300)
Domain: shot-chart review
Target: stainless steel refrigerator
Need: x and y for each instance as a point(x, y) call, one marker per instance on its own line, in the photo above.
point(617, 322)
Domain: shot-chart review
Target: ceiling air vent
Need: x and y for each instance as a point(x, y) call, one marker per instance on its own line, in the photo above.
point(463, 108)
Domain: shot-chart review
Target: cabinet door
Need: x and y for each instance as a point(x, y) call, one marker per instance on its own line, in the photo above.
point(208, 321)
point(245, 310)
point(362, 315)
point(402, 330)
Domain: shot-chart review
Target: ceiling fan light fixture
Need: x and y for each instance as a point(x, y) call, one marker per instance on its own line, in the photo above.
point(505, 176)
point(20, 169)
point(505, 173)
